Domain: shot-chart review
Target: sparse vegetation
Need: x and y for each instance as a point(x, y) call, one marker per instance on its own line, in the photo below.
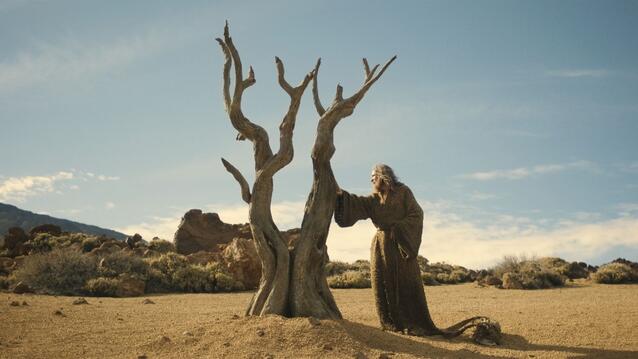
point(350, 279)
point(515, 273)
point(62, 271)
point(615, 273)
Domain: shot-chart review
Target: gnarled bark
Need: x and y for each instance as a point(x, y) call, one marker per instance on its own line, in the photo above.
point(293, 283)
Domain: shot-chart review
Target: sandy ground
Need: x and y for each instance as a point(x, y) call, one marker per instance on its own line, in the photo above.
point(583, 320)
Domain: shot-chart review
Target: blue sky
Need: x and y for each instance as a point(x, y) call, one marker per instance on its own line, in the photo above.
point(514, 123)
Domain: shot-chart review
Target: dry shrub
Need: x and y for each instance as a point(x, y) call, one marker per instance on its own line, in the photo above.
point(429, 279)
point(116, 263)
point(45, 242)
point(615, 273)
point(337, 267)
point(61, 271)
point(444, 273)
point(102, 287)
point(530, 273)
point(173, 272)
point(162, 246)
point(350, 279)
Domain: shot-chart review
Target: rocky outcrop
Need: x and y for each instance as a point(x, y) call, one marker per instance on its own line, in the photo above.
point(243, 262)
point(206, 232)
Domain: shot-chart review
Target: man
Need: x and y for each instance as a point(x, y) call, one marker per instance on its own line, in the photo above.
point(396, 278)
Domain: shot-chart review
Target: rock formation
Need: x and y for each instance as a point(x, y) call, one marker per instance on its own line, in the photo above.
point(206, 232)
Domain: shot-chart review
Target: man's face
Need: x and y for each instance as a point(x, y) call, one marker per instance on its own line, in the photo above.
point(377, 183)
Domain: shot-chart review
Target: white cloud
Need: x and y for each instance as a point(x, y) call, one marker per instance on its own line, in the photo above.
point(574, 73)
point(447, 236)
point(69, 60)
point(19, 188)
point(109, 205)
point(524, 172)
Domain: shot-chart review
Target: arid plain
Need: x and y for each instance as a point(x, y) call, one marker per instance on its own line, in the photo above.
point(581, 320)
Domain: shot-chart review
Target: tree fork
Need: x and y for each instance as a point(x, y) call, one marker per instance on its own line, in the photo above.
point(293, 283)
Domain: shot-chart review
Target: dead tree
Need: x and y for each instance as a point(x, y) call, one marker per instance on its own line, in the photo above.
point(293, 281)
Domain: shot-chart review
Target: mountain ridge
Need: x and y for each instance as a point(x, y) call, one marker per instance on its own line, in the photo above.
point(12, 216)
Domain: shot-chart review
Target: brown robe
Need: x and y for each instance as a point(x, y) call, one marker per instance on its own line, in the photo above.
point(396, 278)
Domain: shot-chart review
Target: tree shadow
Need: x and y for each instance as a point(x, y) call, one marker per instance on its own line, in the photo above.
point(375, 338)
point(517, 342)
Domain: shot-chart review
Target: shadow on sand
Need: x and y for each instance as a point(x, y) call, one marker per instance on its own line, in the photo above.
point(377, 339)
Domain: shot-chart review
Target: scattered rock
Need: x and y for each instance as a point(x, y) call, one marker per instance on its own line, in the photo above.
point(79, 301)
point(164, 339)
point(58, 312)
point(187, 333)
point(314, 321)
point(360, 355)
point(386, 355)
point(14, 303)
point(327, 347)
point(22, 288)
point(260, 332)
point(51, 229)
point(226, 344)
point(24, 302)
point(143, 356)
point(235, 316)
point(148, 301)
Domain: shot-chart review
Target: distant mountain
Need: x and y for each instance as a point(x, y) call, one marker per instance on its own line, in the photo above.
point(12, 216)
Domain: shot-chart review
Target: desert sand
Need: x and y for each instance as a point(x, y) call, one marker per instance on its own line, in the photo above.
point(582, 320)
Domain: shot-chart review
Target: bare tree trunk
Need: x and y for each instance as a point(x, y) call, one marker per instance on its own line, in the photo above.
point(292, 283)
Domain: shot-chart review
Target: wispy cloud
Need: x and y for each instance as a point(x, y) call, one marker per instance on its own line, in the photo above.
point(19, 188)
point(447, 236)
point(574, 73)
point(70, 60)
point(524, 172)
point(109, 205)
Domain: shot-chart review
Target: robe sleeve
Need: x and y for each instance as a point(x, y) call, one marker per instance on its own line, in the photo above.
point(350, 208)
point(408, 230)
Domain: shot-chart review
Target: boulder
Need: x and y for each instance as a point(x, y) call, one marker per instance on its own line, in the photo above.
point(199, 231)
point(243, 262)
point(129, 286)
point(51, 229)
point(108, 247)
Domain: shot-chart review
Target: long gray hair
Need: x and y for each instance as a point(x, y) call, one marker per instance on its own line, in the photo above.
point(387, 175)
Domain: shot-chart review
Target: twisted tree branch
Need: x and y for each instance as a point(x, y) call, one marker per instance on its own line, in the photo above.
point(245, 190)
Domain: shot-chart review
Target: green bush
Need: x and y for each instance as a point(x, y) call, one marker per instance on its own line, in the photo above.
point(337, 267)
point(615, 273)
point(61, 271)
point(45, 242)
point(530, 274)
point(429, 279)
point(116, 263)
point(349, 279)
point(162, 246)
point(102, 287)
point(194, 278)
